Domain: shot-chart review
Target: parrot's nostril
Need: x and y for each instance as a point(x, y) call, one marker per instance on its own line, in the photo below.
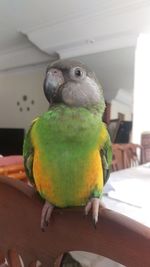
point(53, 71)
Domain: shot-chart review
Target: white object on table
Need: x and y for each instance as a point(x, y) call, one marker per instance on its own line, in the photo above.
point(127, 192)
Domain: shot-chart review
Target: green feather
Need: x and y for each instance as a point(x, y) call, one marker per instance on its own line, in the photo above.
point(66, 138)
point(28, 153)
point(106, 155)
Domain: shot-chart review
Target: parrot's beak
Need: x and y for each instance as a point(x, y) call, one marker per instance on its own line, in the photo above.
point(53, 81)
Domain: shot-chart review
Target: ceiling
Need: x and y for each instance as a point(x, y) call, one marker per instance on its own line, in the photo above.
point(102, 33)
point(67, 28)
point(114, 69)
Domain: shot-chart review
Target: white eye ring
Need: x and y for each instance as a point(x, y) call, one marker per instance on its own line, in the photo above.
point(77, 73)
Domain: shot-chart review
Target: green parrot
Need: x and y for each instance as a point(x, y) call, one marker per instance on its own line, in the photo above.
point(67, 150)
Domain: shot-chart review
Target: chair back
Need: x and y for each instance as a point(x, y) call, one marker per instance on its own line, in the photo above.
point(117, 158)
point(133, 155)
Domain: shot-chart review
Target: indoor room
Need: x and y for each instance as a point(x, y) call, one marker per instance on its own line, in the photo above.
point(74, 133)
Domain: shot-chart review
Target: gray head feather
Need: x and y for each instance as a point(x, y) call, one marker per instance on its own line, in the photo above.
point(72, 83)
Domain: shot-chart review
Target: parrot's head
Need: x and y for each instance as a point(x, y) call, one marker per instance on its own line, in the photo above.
point(72, 83)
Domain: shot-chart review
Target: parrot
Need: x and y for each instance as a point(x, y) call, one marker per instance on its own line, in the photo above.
point(67, 149)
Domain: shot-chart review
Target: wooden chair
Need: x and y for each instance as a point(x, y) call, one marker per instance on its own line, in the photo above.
point(116, 236)
point(133, 155)
point(118, 157)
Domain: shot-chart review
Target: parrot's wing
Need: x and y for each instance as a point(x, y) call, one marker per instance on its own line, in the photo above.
point(28, 153)
point(106, 153)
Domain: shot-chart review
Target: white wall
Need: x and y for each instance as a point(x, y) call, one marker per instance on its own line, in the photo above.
point(13, 86)
point(29, 82)
point(117, 106)
point(122, 103)
point(142, 88)
point(114, 69)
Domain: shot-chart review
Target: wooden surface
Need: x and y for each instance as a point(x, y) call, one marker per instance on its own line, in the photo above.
point(116, 236)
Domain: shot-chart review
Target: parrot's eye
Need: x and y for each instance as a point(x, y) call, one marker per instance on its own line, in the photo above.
point(77, 73)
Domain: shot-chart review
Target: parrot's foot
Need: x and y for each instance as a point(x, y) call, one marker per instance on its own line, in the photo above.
point(46, 215)
point(95, 204)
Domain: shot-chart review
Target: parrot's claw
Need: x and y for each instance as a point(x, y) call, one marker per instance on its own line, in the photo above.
point(95, 204)
point(46, 215)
